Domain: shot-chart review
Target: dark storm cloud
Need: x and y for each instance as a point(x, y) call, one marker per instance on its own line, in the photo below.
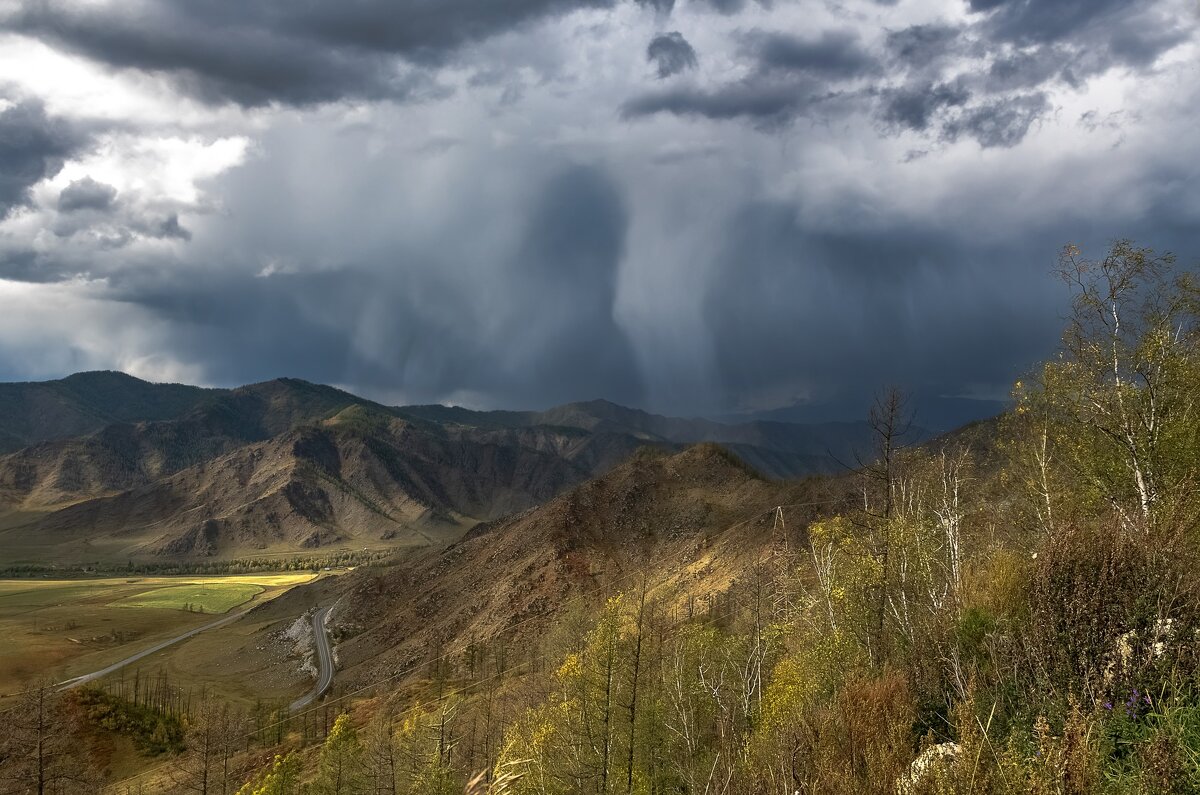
point(277, 51)
point(789, 77)
point(671, 54)
point(916, 107)
point(86, 194)
point(1049, 20)
point(1085, 36)
point(766, 103)
point(849, 310)
point(567, 267)
point(33, 147)
point(834, 54)
point(1002, 123)
point(921, 45)
point(535, 328)
point(520, 247)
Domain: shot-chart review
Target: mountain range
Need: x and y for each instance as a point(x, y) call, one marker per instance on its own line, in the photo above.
point(105, 467)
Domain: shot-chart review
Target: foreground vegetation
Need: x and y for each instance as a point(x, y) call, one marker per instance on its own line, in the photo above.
point(1011, 609)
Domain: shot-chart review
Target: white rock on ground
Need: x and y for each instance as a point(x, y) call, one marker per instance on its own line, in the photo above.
point(300, 635)
point(932, 758)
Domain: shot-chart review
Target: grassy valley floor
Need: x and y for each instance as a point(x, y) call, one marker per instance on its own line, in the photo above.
point(59, 628)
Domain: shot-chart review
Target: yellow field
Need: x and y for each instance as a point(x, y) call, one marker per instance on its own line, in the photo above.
point(55, 629)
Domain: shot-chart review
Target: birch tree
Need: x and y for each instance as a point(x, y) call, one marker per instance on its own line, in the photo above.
point(1118, 406)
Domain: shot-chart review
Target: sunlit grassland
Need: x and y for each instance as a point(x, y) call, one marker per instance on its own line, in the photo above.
point(196, 598)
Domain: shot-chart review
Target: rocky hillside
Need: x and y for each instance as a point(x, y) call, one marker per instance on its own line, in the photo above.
point(126, 455)
point(286, 465)
point(359, 478)
point(694, 522)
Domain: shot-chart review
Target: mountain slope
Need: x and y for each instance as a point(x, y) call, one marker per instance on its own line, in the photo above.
point(361, 477)
point(128, 455)
point(777, 449)
point(698, 518)
point(33, 412)
point(286, 465)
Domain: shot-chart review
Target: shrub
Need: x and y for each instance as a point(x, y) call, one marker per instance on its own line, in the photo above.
point(1090, 587)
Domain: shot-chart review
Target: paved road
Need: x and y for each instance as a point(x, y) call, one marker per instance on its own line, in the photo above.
point(324, 661)
point(220, 622)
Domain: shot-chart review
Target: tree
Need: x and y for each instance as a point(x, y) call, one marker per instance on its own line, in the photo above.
point(422, 750)
point(38, 750)
point(282, 778)
point(1119, 407)
point(379, 746)
point(340, 767)
point(212, 736)
point(573, 742)
point(891, 426)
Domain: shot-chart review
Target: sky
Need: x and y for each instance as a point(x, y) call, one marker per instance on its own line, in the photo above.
point(692, 206)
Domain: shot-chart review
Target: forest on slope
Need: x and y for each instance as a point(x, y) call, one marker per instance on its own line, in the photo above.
point(1009, 608)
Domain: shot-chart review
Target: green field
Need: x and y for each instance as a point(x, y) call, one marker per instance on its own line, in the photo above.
point(195, 598)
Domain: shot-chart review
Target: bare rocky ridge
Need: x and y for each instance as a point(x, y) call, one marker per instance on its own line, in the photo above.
point(360, 477)
point(126, 455)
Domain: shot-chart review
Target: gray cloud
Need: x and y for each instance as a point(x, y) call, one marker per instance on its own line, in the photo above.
point(834, 54)
point(167, 227)
point(916, 107)
point(726, 7)
point(1026, 69)
point(33, 147)
point(791, 76)
point(920, 46)
point(1002, 123)
point(1048, 20)
point(767, 103)
point(258, 53)
point(1084, 36)
point(1017, 49)
point(671, 54)
point(86, 194)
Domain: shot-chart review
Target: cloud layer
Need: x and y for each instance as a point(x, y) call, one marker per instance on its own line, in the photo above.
point(697, 207)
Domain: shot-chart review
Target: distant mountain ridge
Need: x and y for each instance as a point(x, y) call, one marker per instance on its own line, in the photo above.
point(38, 411)
point(777, 449)
point(171, 471)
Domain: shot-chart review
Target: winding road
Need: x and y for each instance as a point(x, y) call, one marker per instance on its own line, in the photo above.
point(324, 661)
point(320, 639)
point(85, 678)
